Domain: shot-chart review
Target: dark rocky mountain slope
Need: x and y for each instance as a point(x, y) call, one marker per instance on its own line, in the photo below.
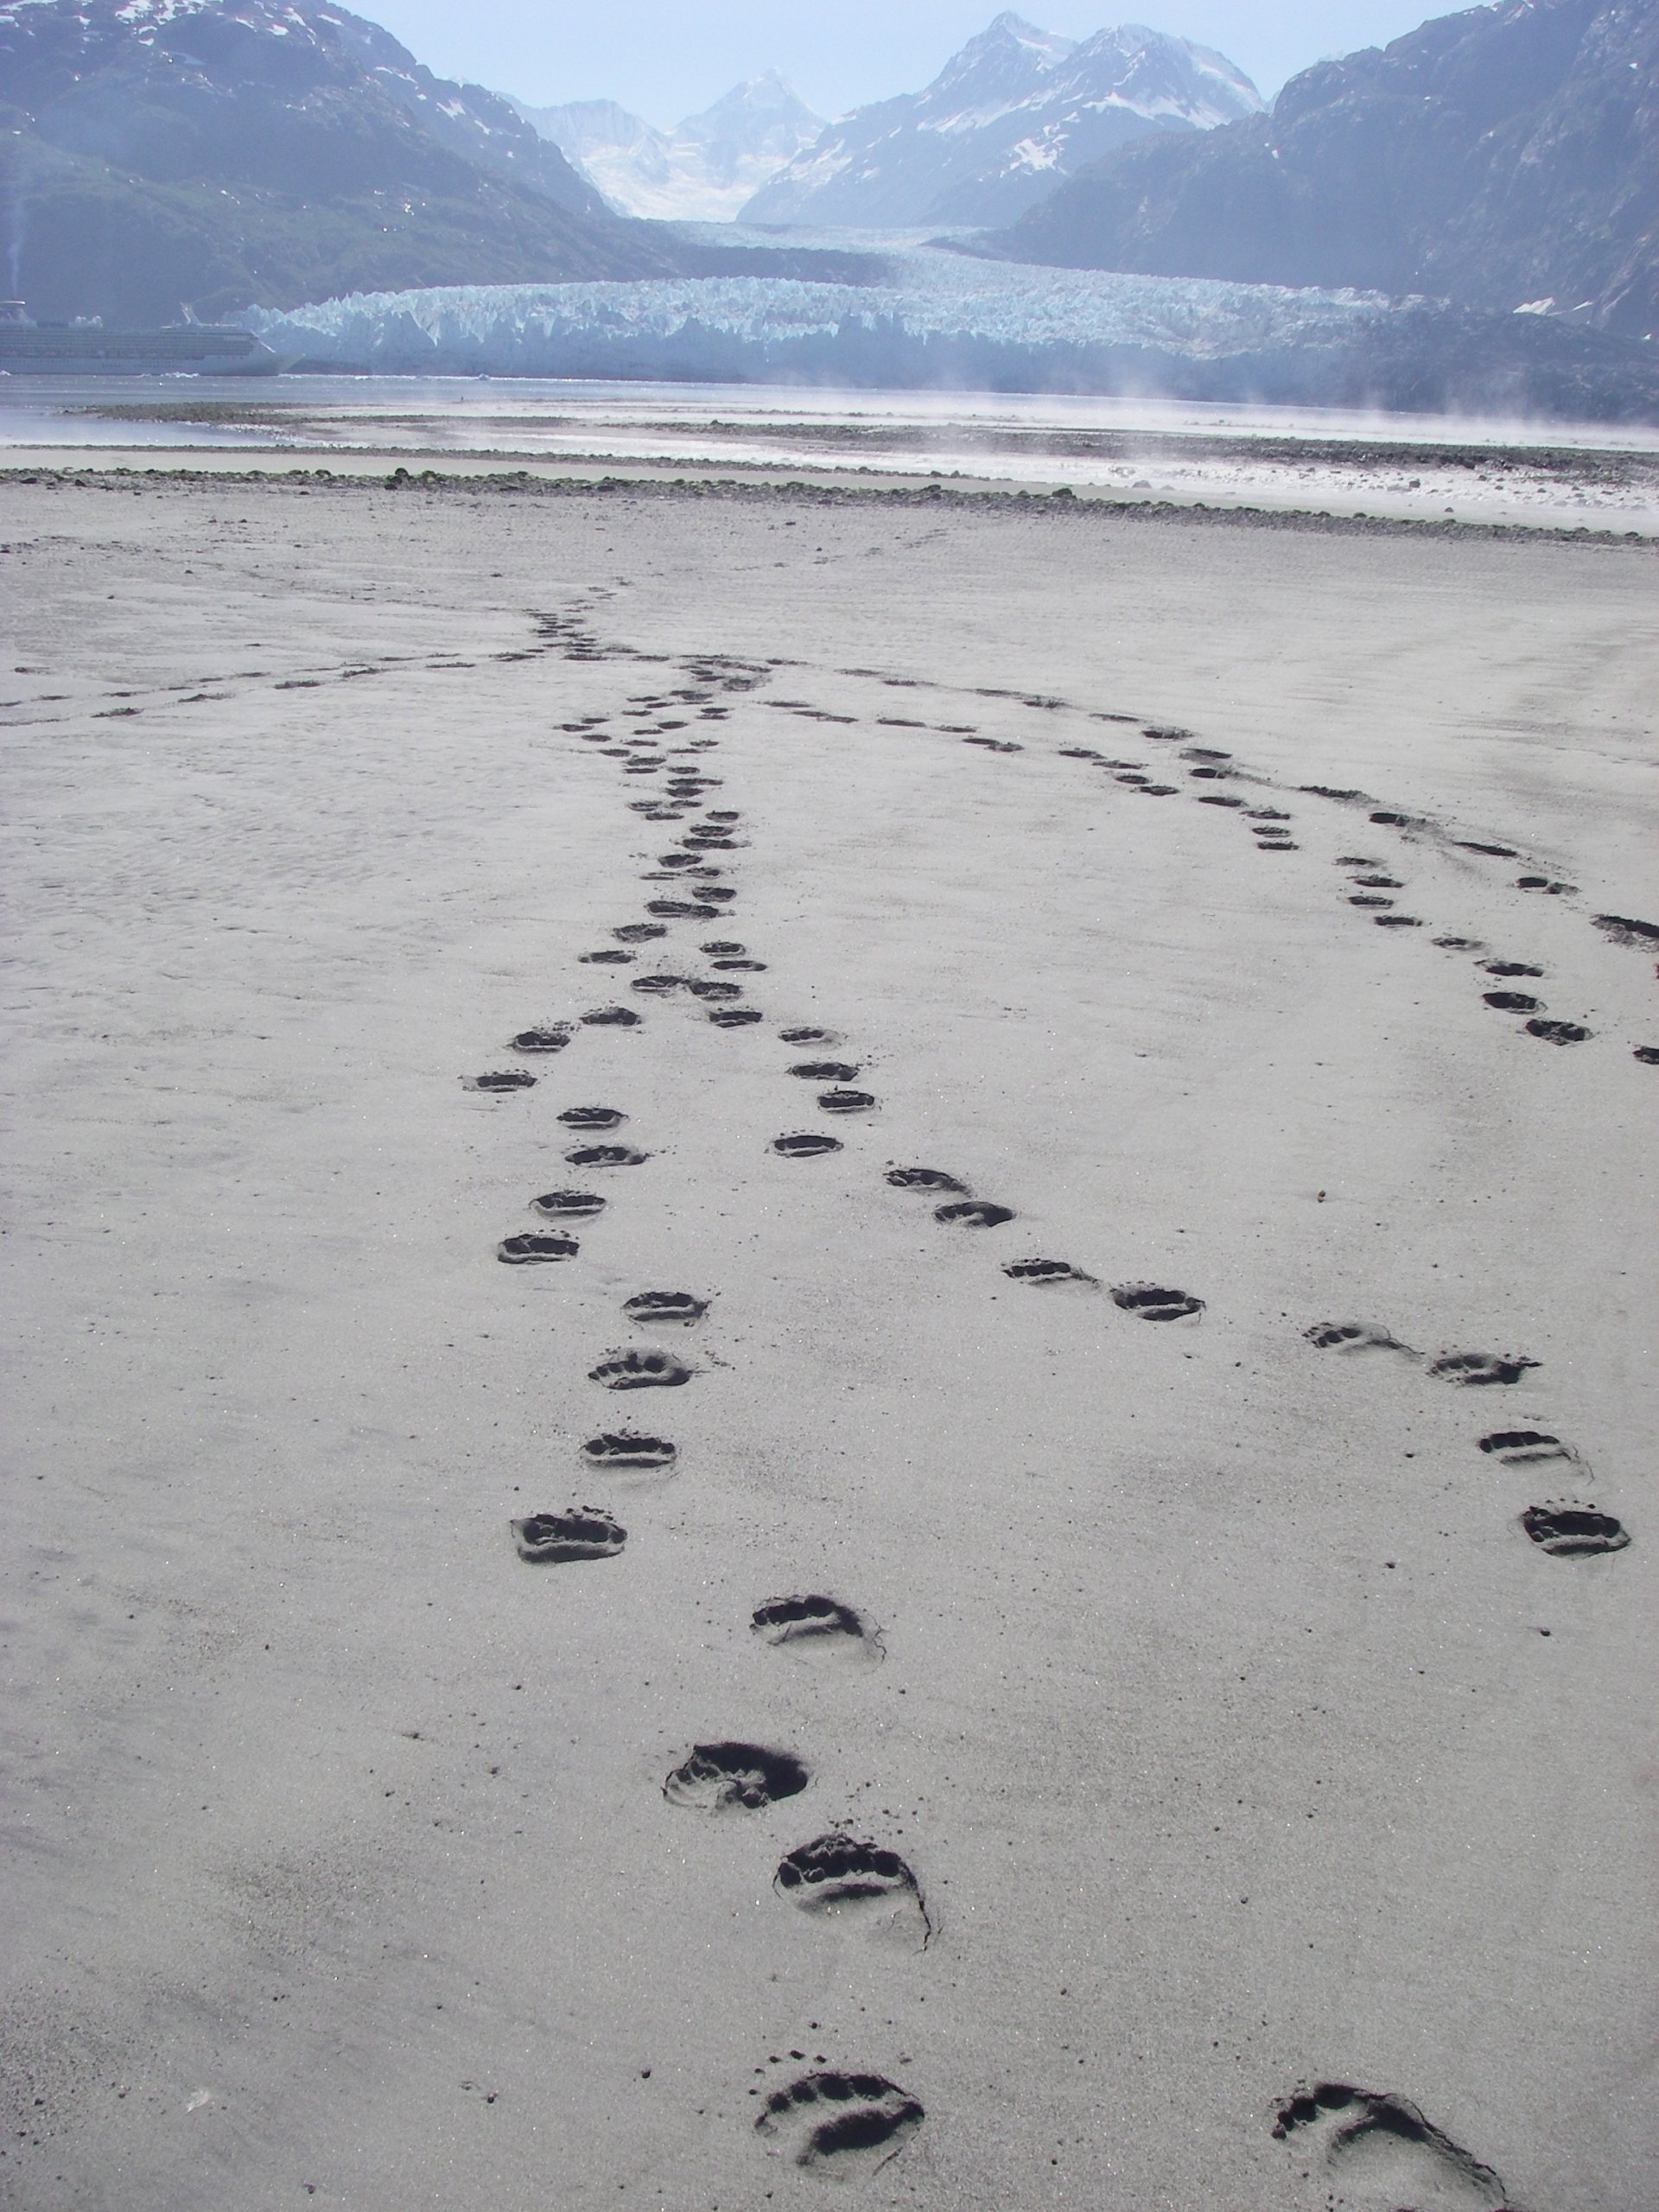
point(1504, 157)
point(156, 155)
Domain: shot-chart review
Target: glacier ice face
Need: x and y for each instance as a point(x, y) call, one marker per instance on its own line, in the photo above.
point(937, 317)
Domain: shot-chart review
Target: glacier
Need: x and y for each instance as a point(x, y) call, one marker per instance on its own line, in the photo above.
point(932, 317)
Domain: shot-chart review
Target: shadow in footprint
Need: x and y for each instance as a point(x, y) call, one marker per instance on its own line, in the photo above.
point(592, 1117)
point(1355, 1336)
point(527, 1251)
point(621, 1448)
point(845, 1101)
point(840, 2125)
point(1512, 1002)
point(1475, 1370)
point(552, 1038)
point(1047, 1271)
point(735, 1777)
point(808, 1037)
point(824, 1070)
point(972, 1213)
point(807, 1144)
point(501, 1079)
point(817, 1628)
point(1149, 1302)
point(1558, 1032)
point(612, 956)
point(639, 932)
point(1526, 1447)
point(1512, 968)
point(556, 1539)
point(1570, 1530)
point(677, 1306)
point(604, 1155)
point(562, 1205)
point(926, 1178)
point(640, 1371)
point(840, 1875)
point(1623, 931)
point(1383, 2147)
point(735, 1017)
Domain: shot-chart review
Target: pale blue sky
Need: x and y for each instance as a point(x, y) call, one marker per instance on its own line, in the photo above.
point(666, 59)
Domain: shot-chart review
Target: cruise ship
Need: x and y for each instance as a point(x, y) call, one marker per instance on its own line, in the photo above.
point(91, 349)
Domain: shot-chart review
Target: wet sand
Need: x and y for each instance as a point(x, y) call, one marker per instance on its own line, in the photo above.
point(1165, 1728)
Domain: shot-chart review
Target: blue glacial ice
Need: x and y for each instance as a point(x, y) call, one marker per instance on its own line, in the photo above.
point(934, 317)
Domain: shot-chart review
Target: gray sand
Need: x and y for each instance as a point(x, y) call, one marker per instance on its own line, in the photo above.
point(1238, 1736)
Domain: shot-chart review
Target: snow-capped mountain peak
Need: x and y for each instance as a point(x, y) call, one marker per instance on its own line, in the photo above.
point(1006, 119)
point(704, 169)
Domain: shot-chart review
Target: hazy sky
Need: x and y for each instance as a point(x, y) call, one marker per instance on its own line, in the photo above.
point(666, 59)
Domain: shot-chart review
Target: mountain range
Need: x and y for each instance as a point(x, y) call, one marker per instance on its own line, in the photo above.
point(1506, 157)
point(161, 154)
point(1010, 116)
point(703, 170)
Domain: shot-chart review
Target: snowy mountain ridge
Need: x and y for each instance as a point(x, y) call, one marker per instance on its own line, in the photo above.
point(1007, 118)
point(703, 170)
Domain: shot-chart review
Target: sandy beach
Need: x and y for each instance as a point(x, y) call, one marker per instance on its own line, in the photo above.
point(1166, 1730)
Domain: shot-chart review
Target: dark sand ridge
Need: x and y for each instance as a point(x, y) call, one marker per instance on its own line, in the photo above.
point(1137, 1602)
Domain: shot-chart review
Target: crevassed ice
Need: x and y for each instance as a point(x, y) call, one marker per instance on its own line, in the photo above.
point(930, 300)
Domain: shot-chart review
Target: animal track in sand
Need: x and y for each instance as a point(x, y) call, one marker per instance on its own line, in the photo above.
point(555, 1539)
point(735, 1777)
point(1150, 1302)
point(972, 1213)
point(499, 1079)
point(1512, 1002)
point(824, 1070)
point(838, 2124)
point(838, 1873)
point(1623, 931)
point(1512, 968)
point(1354, 1336)
point(1479, 1369)
point(1046, 1271)
point(808, 1037)
point(621, 1448)
point(816, 1628)
point(592, 1117)
point(1558, 1032)
point(604, 1155)
point(640, 1371)
point(734, 1017)
point(612, 1017)
point(552, 1038)
point(1381, 2154)
point(1568, 1530)
point(558, 1205)
point(1526, 1447)
point(925, 1179)
point(648, 1306)
point(807, 1144)
point(847, 1102)
point(528, 1251)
